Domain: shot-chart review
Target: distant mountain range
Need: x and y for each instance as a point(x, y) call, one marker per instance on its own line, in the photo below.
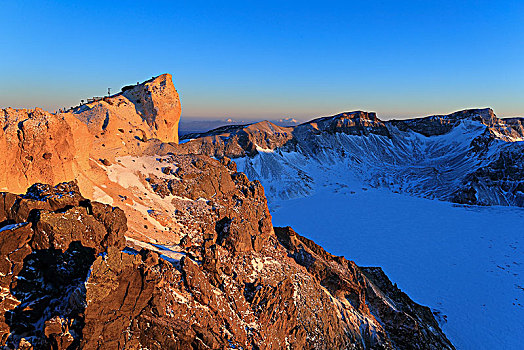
point(469, 157)
point(199, 125)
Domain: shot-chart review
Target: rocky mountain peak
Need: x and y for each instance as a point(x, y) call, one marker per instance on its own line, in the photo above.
point(152, 109)
point(484, 115)
point(40, 146)
point(157, 102)
point(350, 123)
point(441, 124)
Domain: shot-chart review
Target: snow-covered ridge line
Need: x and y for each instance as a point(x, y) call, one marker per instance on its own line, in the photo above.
point(459, 157)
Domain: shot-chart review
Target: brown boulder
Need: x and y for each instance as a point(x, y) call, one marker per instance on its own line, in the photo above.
point(49, 239)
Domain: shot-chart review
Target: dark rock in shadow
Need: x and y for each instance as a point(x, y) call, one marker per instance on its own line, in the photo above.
point(51, 290)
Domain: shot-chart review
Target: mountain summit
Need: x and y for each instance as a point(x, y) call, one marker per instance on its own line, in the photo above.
point(39, 146)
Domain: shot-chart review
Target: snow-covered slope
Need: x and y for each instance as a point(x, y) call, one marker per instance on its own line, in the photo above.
point(405, 162)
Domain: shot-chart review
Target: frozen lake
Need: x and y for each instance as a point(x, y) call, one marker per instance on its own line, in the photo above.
point(466, 262)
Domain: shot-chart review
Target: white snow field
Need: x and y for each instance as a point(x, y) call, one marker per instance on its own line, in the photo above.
point(465, 262)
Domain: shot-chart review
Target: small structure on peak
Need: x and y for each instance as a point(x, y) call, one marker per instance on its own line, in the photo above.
point(94, 99)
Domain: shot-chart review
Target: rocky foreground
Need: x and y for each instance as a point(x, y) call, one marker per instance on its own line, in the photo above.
point(69, 280)
point(155, 247)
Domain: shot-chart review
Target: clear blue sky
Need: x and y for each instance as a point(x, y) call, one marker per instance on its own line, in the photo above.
point(265, 59)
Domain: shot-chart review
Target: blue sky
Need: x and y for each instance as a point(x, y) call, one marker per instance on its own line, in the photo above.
point(266, 60)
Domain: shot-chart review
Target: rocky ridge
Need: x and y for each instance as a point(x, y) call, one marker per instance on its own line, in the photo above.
point(233, 282)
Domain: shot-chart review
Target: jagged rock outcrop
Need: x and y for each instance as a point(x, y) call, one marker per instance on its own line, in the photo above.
point(369, 290)
point(140, 112)
point(233, 210)
point(50, 237)
point(231, 281)
point(157, 102)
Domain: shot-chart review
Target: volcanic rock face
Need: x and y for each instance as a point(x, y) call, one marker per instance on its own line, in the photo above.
point(42, 147)
point(37, 146)
point(157, 102)
point(148, 110)
point(50, 237)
